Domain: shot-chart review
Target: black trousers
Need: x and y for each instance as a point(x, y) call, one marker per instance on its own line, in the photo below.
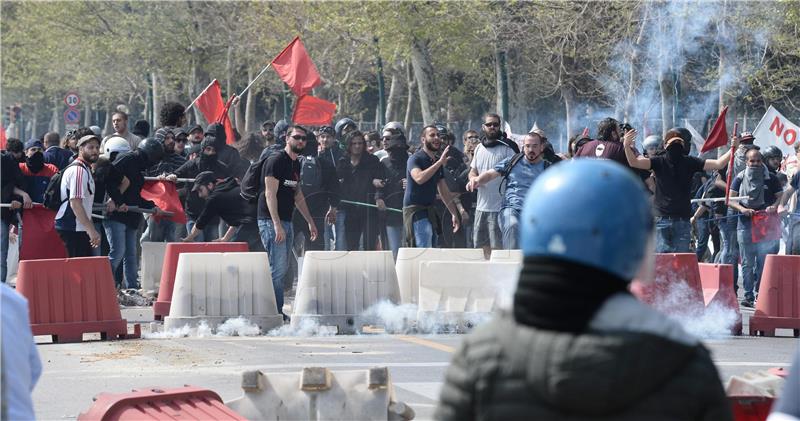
point(361, 222)
point(76, 243)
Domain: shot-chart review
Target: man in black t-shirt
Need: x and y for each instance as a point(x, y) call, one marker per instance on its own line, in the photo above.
point(223, 200)
point(281, 175)
point(673, 169)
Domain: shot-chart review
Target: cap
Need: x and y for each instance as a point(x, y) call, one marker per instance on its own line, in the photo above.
point(196, 128)
point(327, 130)
point(88, 138)
point(179, 131)
point(203, 178)
point(208, 140)
point(746, 137)
point(34, 143)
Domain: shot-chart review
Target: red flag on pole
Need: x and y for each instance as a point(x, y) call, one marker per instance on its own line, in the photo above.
point(165, 196)
point(3, 138)
point(294, 66)
point(40, 240)
point(210, 104)
point(766, 227)
point(718, 136)
point(313, 111)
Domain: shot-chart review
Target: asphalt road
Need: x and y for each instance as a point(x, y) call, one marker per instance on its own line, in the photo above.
point(74, 373)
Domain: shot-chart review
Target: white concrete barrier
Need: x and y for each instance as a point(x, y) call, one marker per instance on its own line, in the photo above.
point(514, 256)
point(317, 393)
point(337, 286)
point(152, 262)
point(215, 287)
point(460, 293)
point(409, 260)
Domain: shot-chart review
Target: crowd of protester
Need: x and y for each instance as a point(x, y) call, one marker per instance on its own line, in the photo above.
point(288, 188)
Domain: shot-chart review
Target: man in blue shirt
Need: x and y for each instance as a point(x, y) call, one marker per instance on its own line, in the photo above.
point(425, 175)
point(519, 171)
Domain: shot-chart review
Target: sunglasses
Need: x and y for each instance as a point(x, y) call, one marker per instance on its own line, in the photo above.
point(299, 137)
point(473, 138)
point(491, 124)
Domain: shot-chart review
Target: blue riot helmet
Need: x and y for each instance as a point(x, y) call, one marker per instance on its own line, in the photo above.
point(590, 211)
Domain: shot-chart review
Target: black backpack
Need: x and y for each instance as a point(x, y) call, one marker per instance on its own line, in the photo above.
point(310, 174)
point(52, 194)
point(251, 180)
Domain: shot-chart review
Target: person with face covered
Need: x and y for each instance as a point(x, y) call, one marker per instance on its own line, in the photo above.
point(361, 179)
point(36, 173)
point(206, 160)
point(395, 184)
point(124, 186)
point(762, 192)
point(673, 169)
point(227, 154)
point(162, 229)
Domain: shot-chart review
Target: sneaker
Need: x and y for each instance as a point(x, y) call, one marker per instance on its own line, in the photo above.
point(747, 302)
point(286, 318)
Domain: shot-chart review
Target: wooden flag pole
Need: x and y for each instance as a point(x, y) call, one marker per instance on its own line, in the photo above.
point(730, 167)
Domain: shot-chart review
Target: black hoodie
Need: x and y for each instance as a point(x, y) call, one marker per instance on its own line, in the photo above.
point(130, 165)
point(227, 154)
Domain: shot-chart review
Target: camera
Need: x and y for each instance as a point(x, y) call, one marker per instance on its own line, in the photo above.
point(625, 127)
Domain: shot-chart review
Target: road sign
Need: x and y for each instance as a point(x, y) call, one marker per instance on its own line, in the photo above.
point(72, 99)
point(72, 116)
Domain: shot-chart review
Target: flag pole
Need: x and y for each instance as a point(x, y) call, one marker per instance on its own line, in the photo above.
point(201, 94)
point(730, 167)
point(254, 80)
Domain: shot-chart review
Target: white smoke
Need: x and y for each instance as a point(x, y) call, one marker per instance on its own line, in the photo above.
point(405, 318)
point(239, 326)
point(306, 328)
point(713, 322)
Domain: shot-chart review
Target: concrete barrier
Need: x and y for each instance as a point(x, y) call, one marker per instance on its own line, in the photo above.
point(152, 263)
point(461, 293)
point(214, 287)
point(778, 304)
point(337, 286)
point(317, 393)
point(514, 256)
point(717, 282)
point(409, 260)
point(677, 289)
point(157, 403)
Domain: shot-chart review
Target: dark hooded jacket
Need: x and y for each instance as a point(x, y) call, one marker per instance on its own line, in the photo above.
point(11, 177)
point(227, 154)
point(395, 171)
point(130, 165)
point(193, 203)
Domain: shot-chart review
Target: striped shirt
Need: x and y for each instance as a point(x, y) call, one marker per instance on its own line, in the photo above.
point(76, 183)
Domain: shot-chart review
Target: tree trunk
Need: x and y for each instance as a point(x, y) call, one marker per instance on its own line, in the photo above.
point(249, 109)
point(156, 95)
point(501, 77)
point(566, 94)
point(410, 102)
point(55, 120)
point(390, 101)
point(666, 84)
point(423, 73)
point(107, 126)
point(87, 113)
point(35, 119)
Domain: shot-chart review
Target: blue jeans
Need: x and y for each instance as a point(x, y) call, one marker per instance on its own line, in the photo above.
point(162, 231)
point(335, 233)
point(509, 225)
point(209, 233)
point(703, 234)
point(4, 228)
point(122, 242)
point(394, 236)
point(278, 253)
point(750, 253)
point(730, 246)
point(423, 233)
point(98, 226)
point(673, 235)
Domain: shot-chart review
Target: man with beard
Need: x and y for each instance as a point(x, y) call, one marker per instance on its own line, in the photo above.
point(607, 145)
point(266, 133)
point(673, 169)
point(120, 122)
point(124, 186)
point(320, 185)
point(72, 222)
point(282, 193)
point(426, 175)
point(206, 160)
point(494, 147)
point(520, 171)
point(395, 184)
point(456, 175)
point(35, 173)
point(762, 192)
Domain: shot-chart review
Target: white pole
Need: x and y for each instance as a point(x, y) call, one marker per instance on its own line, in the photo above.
point(201, 94)
point(254, 80)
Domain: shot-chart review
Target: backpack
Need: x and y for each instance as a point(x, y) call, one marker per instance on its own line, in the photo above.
point(251, 180)
point(52, 193)
point(310, 174)
point(514, 160)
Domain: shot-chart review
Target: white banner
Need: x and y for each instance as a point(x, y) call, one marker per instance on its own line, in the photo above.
point(697, 138)
point(775, 129)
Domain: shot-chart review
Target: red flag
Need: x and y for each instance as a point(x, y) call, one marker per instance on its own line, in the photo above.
point(215, 110)
point(718, 136)
point(40, 240)
point(294, 66)
point(766, 227)
point(313, 111)
point(165, 196)
point(2, 137)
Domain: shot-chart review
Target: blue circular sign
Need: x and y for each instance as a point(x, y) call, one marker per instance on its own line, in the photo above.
point(72, 116)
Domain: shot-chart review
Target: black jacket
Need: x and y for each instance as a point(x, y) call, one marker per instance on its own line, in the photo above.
point(226, 202)
point(131, 166)
point(394, 172)
point(192, 203)
point(11, 177)
point(356, 182)
point(327, 194)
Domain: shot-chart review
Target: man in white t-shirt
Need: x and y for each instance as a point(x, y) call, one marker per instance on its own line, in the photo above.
point(494, 147)
point(73, 220)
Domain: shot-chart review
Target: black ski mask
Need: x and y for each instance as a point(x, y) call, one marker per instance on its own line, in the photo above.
point(35, 162)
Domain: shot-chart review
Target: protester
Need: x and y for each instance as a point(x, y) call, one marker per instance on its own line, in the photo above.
point(494, 147)
point(172, 114)
point(343, 127)
point(519, 172)
point(73, 221)
point(761, 191)
point(251, 146)
point(281, 175)
point(792, 220)
point(608, 144)
point(707, 213)
point(673, 170)
point(224, 201)
point(395, 181)
point(320, 185)
point(456, 175)
point(361, 180)
point(196, 134)
point(20, 359)
point(163, 229)
point(181, 139)
point(374, 144)
point(121, 223)
point(101, 169)
point(119, 120)
point(227, 154)
point(141, 128)
point(36, 173)
point(53, 153)
point(425, 178)
point(266, 132)
point(10, 177)
point(577, 345)
point(70, 144)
